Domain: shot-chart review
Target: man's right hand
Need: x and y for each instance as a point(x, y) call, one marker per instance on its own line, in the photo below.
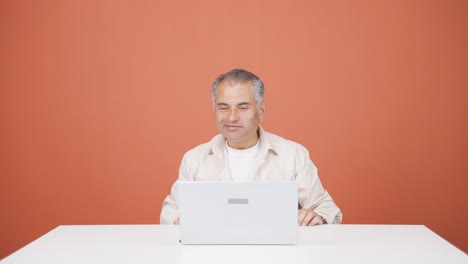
point(307, 217)
point(177, 221)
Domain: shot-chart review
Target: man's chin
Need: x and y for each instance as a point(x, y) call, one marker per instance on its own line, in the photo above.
point(232, 135)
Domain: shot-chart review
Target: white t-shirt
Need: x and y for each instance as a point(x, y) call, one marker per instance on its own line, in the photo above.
point(242, 163)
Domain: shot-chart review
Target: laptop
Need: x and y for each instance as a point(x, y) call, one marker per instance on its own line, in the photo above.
point(238, 213)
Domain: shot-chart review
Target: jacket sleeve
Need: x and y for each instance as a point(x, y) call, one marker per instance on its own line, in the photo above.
point(170, 208)
point(311, 193)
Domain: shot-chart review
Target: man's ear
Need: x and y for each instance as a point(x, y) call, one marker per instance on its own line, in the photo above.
point(261, 110)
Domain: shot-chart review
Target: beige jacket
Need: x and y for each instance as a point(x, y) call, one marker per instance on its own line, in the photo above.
point(279, 160)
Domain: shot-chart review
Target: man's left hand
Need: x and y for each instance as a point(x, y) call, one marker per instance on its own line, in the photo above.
point(307, 217)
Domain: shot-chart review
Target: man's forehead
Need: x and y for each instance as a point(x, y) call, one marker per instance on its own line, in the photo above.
point(235, 95)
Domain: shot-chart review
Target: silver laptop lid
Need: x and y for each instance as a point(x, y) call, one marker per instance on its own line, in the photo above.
point(238, 213)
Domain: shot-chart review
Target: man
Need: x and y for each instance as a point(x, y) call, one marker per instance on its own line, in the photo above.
point(243, 151)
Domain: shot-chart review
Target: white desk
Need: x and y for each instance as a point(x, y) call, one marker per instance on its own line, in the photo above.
point(158, 244)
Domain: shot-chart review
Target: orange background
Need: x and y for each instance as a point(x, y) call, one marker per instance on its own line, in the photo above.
point(100, 100)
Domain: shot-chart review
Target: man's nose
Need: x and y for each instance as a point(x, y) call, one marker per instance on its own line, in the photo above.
point(233, 114)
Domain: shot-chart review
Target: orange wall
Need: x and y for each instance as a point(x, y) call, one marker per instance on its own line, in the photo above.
point(100, 100)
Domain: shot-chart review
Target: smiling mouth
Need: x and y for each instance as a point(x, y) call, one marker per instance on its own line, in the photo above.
point(232, 126)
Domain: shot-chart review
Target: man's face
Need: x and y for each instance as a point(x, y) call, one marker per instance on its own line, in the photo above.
point(237, 115)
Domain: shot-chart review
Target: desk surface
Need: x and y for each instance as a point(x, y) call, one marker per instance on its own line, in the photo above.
point(159, 244)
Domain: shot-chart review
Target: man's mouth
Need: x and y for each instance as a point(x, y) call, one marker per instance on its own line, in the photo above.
point(232, 126)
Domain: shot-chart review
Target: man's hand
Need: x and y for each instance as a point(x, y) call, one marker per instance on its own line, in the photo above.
point(177, 221)
point(307, 217)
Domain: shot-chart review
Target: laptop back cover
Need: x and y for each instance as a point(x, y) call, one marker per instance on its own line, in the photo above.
point(238, 213)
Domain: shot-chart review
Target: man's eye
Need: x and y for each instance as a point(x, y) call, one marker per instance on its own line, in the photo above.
point(222, 108)
point(243, 107)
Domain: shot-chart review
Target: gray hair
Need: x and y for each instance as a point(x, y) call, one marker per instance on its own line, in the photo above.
point(240, 76)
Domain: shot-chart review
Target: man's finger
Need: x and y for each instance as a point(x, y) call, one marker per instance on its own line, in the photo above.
point(317, 220)
point(300, 218)
point(309, 216)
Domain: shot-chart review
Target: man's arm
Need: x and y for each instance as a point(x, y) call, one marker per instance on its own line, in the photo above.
point(170, 208)
point(316, 205)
